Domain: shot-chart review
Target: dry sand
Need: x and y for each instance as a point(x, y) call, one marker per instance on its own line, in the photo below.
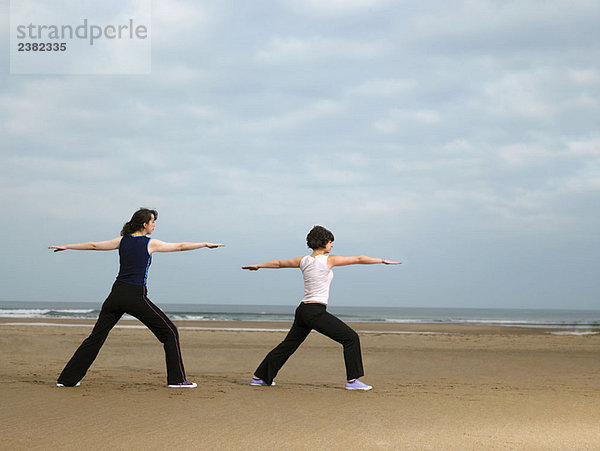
point(472, 387)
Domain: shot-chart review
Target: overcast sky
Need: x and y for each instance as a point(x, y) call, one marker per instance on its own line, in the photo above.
point(462, 138)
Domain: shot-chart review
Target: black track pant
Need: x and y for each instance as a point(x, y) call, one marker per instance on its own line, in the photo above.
point(308, 317)
point(131, 299)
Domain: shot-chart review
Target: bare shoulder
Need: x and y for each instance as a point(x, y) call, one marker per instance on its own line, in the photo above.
point(155, 245)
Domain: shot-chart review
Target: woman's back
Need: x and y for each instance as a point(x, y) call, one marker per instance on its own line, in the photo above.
point(317, 278)
point(134, 259)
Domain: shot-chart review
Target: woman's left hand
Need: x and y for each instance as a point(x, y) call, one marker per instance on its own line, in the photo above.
point(213, 245)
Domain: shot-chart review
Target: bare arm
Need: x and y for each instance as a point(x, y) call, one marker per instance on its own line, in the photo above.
point(291, 263)
point(90, 246)
point(161, 246)
point(339, 260)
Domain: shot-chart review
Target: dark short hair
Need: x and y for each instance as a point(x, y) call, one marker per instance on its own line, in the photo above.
point(137, 221)
point(318, 237)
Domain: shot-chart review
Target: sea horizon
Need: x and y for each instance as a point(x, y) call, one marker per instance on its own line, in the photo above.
point(516, 317)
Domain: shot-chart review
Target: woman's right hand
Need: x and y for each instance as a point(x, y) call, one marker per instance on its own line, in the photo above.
point(58, 248)
point(251, 267)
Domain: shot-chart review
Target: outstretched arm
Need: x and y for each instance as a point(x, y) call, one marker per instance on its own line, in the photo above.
point(291, 263)
point(338, 260)
point(161, 246)
point(90, 246)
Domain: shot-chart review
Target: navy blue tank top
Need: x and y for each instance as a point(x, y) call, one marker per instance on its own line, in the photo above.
point(135, 259)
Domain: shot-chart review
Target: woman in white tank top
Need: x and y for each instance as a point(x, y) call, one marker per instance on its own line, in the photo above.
point(312, 314)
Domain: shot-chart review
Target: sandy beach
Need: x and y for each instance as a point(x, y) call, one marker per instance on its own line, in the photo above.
point(462, 387)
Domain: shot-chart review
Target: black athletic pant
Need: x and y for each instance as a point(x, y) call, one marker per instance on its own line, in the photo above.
point(308, 317)
point(131, 299)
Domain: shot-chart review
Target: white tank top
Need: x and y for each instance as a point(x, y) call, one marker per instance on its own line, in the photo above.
point(317, 278)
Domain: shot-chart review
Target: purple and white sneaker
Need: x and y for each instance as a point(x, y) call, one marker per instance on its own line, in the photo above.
point(259, 382)
point(357, 385)
point(184, 384)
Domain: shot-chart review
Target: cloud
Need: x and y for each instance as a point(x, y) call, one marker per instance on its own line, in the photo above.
point(318, 48)
point(425, 124)
point(399, 119)
point(523, 154)
point(383, 87)
point(519, 94)
point(586, 77)
point(499, 27)
point(180, 19)
point(307, 114)
point(95, 168)
point(584, 148)
point(329, 8)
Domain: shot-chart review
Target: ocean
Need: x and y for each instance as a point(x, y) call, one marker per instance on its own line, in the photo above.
point(560, 319)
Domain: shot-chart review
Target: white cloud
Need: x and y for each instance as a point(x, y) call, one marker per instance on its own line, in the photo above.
point(49, 106)
point(180, 73)
point(494, 27)
point(289, 120)
point(317, 48)
point(518, 94)
point(427, 116)
point(383, 87)
point(87, 169)
point(458, 146)
point(400, 119)
point(586, 77)
point(329, 8)
point(523, 154)
point(177, 15)
point(586, 180)
point(584, 148)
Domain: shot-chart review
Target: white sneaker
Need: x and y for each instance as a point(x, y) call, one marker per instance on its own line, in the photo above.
point(58, 384)
point(259, 382)
point(184, 384)
point(357, 385)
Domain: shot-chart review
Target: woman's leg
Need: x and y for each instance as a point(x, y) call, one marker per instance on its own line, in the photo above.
point(85, 355)
point(337, 330)
point(275, 359)
point(161, 326)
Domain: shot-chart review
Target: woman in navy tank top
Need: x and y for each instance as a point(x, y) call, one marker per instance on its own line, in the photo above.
point(130, 295)
point(312, 312)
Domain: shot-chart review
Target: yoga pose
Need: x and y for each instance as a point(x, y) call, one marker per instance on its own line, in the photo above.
point(312, 311)
point(130, 295)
